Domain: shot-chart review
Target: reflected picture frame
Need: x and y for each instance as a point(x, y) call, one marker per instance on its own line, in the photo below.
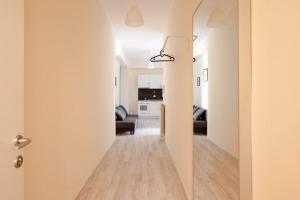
point(198, 81)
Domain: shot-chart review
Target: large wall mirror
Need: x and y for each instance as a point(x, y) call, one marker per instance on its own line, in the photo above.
point(216, 100)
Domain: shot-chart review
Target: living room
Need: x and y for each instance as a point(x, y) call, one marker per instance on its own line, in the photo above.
point(139, 83)
point(139, 97)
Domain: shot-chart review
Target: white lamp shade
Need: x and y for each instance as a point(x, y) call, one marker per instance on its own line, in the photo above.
point(217, 18)
point(134, 17)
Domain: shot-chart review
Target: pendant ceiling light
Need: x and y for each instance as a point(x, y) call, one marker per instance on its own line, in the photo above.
point(217, 17)
point(134, 17)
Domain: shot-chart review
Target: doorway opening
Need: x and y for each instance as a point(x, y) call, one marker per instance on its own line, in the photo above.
point(139, 82)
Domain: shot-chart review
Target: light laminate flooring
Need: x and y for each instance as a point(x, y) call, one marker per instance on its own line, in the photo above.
point(136, 167)
point(216, 173)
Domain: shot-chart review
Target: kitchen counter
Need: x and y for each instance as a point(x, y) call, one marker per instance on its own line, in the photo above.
point(150, 100)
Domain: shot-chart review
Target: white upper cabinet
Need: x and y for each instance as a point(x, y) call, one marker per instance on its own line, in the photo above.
point(143, 81)
point(153, 81)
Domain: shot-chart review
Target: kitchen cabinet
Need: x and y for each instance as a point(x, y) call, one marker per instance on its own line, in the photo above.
point(155, 109)
point(149, 108)
point(143, 81)
point(153, 81)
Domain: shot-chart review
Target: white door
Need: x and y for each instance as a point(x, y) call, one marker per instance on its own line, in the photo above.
point(11, 99)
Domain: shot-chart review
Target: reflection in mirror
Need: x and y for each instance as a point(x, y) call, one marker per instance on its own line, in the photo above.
point(215, 110)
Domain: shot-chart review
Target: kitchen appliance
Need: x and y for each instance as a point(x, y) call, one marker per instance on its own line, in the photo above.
point(149, 108)
point(144, 109)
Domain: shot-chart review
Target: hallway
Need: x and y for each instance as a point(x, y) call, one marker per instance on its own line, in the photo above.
point(135, 167)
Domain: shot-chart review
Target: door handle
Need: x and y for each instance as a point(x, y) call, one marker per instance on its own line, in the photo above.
point(21, 142)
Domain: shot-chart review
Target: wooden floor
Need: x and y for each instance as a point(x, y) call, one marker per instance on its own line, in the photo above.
point(136, 167)
point(216, 173)
point(139, 167)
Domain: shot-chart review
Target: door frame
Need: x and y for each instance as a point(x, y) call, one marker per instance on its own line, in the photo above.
point(245, 98)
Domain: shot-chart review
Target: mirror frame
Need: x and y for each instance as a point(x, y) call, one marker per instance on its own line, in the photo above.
point(245, 95)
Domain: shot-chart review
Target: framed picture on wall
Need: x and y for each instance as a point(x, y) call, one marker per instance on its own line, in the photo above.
point(205, 75)
point(198, 81)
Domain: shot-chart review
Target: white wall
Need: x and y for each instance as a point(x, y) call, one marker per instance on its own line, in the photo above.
point(200, 93)
point(69, 95)
point(276, 99)
point(179, 93)
point(223, 84)
point(124, 90)
point(129, 86)
point(197, 88)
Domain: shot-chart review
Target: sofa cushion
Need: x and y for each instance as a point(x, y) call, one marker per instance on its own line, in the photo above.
point(120, 114)
point(203, 116)
point(135, 116)
point(198, 113)
point(200, 124)
point(128, 122)
point(123, 109)
point(195, 108)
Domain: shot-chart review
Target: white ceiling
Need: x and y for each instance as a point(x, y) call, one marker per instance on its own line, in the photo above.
point(138, 45)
